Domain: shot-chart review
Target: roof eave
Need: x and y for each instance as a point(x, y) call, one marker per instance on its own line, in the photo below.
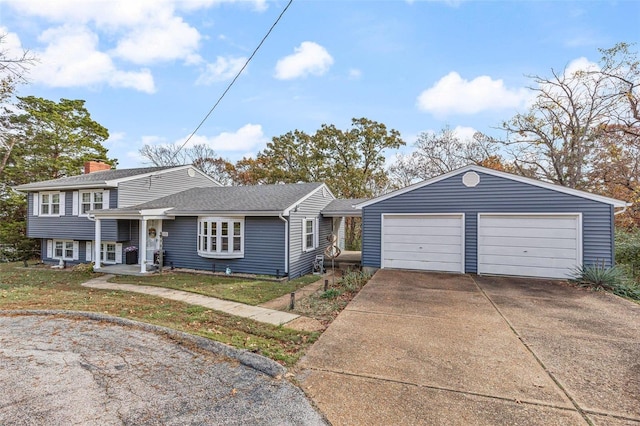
point(227, 213)
point(546, 185)
point(27, 188)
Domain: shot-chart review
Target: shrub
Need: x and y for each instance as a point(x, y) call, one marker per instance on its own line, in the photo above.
point(600, 277)
point(83, 267)
point(353, 281)
point(332, 293)
point(628, 250)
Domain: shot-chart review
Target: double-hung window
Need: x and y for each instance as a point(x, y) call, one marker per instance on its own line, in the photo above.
point(90, 200)
point(309, 234)
point(221, 237)
point(63, 250)
point(50, 204)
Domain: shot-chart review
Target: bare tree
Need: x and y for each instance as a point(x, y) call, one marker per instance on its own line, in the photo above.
point(201, 156)
point(559, 134)
point(439, 153)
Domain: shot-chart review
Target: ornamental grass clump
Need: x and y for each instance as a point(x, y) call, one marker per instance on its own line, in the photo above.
point(614, 279)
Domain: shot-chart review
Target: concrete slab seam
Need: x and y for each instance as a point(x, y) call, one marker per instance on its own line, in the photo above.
point(439, 388)
point(246, 358)
point(538, 360)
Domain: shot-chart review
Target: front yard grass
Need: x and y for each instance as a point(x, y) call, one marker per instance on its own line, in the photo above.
point(37, 288)
point(243, 290)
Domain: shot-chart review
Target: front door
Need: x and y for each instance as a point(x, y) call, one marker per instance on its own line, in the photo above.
point(153, 238)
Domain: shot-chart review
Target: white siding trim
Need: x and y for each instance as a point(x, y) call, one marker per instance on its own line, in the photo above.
point(460, 216)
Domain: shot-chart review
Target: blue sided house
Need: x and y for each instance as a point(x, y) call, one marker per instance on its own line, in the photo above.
point(132, 215)
point(483, 221)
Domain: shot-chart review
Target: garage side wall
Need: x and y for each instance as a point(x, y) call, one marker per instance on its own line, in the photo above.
point(492, 195)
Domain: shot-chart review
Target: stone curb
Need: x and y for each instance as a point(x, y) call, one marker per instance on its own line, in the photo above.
point(246, 358)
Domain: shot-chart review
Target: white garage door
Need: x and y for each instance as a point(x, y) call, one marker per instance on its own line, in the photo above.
point(430, 242)
point(529, 245)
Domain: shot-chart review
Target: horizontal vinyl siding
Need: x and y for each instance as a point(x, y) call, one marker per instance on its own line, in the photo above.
point(263, 246)
point(492, 195)
point(301, 263)
point(70, 227)
point(149, 188)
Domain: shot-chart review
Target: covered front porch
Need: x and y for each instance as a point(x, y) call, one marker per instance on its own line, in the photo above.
point(340, 211)
point(146, 243)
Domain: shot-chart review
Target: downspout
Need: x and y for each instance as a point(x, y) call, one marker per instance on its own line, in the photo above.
point(286, 243)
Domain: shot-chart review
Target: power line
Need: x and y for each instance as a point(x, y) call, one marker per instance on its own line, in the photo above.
point(234, 79)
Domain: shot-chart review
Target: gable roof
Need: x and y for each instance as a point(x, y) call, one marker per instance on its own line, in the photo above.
point(343, 207)
point(106, 178)
point(263, 200)
point(505, 175)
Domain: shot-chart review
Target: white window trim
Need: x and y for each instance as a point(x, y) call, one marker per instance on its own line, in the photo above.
point(61, 204)
point(218, 253)
point(89, 252)
point(75, 250)
point(92, 201)
point(314, 221)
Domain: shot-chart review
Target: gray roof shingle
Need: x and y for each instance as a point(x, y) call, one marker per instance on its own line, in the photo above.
point(344, 207)
point(95, 178)
point(229, 199)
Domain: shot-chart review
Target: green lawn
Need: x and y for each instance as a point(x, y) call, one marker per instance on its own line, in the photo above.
point(45, 288)
point(243, 290)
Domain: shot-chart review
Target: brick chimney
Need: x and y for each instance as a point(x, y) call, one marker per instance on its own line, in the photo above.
point(95, 166)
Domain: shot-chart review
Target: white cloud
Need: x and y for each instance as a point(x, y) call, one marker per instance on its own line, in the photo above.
point(308, 58)
point(141, 32)
point(580, 64)
point(245, 138)
point(464, 133)
point(163, 39)
point(355, 74)
point(71, 59)
point(222, 69)
point(454, 95)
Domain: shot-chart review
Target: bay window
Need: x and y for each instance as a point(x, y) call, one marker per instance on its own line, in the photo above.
point(221, 237)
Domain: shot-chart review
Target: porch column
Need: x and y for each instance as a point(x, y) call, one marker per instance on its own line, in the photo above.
point(98, 245)
point(143, 245)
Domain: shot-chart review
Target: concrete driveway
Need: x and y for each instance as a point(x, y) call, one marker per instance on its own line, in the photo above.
point(91, 369)
point(444, 349)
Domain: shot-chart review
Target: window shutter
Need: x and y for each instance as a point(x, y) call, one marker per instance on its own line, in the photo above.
point(63, 199)
point(36, 204)
point(88, 253)
point(76, 250)
point(316, 233)
point(105, 199)
point(76, 198)
point(304, 236)
point(49, 249)
point(118, 252)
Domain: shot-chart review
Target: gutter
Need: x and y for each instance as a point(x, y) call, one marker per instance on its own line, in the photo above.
point(286, 243)
point(624, 209)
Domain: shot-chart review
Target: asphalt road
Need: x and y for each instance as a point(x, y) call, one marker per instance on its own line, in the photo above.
point(95, 370)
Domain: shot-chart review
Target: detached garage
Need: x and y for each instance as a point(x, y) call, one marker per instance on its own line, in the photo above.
point(479, 220)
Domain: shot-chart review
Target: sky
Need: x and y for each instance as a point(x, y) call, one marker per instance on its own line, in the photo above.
point(150, 70)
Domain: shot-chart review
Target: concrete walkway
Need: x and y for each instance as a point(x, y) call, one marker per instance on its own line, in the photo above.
point(255, 313)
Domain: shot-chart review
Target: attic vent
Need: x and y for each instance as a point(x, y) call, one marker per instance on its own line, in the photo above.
point(191, 172)
point(470, 179)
